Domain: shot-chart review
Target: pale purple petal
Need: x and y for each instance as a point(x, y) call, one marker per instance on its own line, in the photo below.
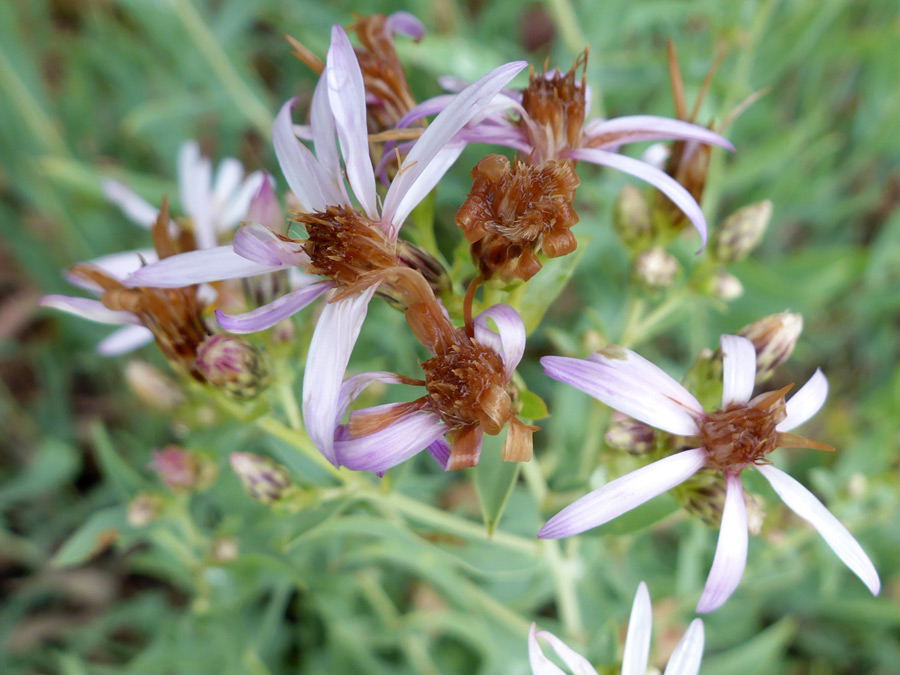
point(637, 639)
point(405, 23)
point(329, 352)
point(194, 181)
point(804, 503)
point(509, 341)
point(263, 207)
point(92, 310)
point(738, 369)
point(805, 403)
point(440, 452)
point(313, 186)
point(324, 135)
point(662, 181)
point(277, 310)
point(632, 386)
point(347, 96)
point(258, 243)
point(238, 203)
point(116, 265)
point(685, 660)
point(196, 267)
point(454, 117)
point(228, 177)
point(397, 442)
point(575, 661)
point(540, 664)
point(354, 385)
point(124, 340)
point(623, 494)
point(731, 549)
point(632, 128)
point(656, 155)
point(133, 206)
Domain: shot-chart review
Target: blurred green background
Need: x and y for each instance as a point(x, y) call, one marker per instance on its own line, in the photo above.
point(110, 88)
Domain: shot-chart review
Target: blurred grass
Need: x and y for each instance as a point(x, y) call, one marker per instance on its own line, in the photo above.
point(98, 88)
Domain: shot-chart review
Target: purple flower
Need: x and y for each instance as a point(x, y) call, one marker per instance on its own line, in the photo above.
point(337, 119)
point(737, 436)
point(549, 123)
point(685, 660)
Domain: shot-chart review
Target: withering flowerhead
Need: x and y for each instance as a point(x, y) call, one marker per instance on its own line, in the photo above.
point(515, 210)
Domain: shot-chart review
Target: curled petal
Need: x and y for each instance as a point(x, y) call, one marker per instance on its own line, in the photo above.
point(731, 549)
point(277, 310)
point(685, 660)
point(329, 352)
point(347, 96)
point(354, 385)
point(197, 267)
point(133, 206)
point(395, 443)
point(623, 494)
point(637, 640)
point(400, 198)
point(808, 400)
point(440, 452)
point(661, 181)
point(804, 503)
point(405, 23)
point(610, 134)
point(632, 385)
point(258, 243)
point(124, 340)
point(93, 310)
point(738, 369)
point(540, 664)
point(509, 341)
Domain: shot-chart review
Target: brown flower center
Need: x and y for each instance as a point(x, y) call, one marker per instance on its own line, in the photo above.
point(515, 209)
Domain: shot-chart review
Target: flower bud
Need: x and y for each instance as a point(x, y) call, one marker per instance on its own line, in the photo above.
point(143, 509)
point(627, 434)
point(655, 268)
point(153, 388)
point(181, 470)
point(232, 365)
point(224, 550)
point(264, 480)
point(741, 232)
point(726, 286)
point(774, 338)
point(631, 217)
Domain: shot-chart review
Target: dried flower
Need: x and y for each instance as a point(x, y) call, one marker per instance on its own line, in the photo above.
point(233, 365)
point(739, 435)
point(685, 660)
point(741, 232)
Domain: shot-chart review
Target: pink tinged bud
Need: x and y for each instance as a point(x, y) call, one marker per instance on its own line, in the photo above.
point(233, 365)
point(264, 208)
point(264, 480)
point(655, 268)
point(181, 470)
point(774, 338)
point(741, 232)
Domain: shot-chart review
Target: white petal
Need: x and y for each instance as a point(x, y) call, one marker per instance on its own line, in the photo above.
point(804, 503)
point(685, 660)
point(196, 267)
point(329, 352)
point(575, 661)
point(93, 310)
point(133, 206)
point(466, 105)
point(509, 341)
point(633, 128)
point(731, 549)
point(347, 96)
point(258, 243)
point(194, 181)
point(116, 265)
point(124, 340)
point(228, 177)
point(238, 204)
point(637, 640)
point(540, 664)
point(808, 400)
point(354, 385)
point(623, 494)
point(738, 369)
point(321, 126)
point(387, 447)
point(632, 385)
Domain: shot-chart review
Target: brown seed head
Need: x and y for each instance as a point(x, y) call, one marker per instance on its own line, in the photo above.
point(556, 104)
point(514, 210)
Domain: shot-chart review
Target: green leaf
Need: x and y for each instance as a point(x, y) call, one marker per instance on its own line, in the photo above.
point(539, 293)
point(494, 480)
point(126, 480)
point(53, 465)
point(100, 530)
point(760, 654)
point(641, 517)
point(532, 406)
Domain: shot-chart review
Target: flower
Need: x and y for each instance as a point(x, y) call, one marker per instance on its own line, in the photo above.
point(353, 250)
point(549, 124)
point(739, 435)
point(685, 660)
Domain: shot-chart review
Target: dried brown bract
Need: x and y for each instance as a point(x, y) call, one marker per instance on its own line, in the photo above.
point(515, 210)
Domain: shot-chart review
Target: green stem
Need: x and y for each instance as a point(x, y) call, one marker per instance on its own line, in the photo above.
point(289, 403)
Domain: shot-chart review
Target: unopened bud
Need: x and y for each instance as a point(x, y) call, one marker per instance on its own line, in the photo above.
point(427, 265)
point(264, 480)
point(264, 208)
point(741, 232)
point(703, 495)
point(153, 388)
point(774, 338)
point(182, 470)
point(756, 512)
point(224, 550)
point(143, 509)
point(627, 434)
point(655, 268)
point(726, 286)
point(631, 217)
point(233, 365)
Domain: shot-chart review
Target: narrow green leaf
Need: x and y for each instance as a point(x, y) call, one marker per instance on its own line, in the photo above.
point(545, 287)
point(760, 654)
point(494, 480)
point(100, 530)
point(54, 463)
point(126, 480)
